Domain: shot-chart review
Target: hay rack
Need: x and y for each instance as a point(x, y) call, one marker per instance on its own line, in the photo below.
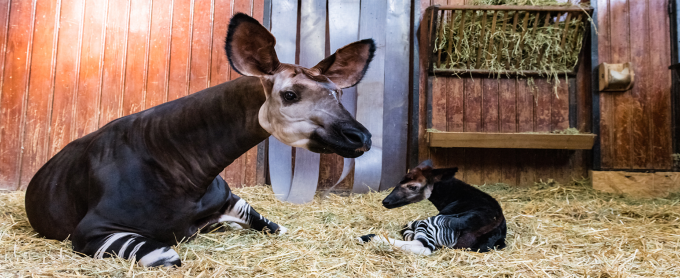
point(505, 39)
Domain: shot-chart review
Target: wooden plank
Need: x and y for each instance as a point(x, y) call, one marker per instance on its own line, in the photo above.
point(508, 124)
point(454, 103)
point(604, 50)
point(219, 64)
point(619, 135)
point(559, 112)
point(180, 48)
point(473, 123)
point(159, 53)
point(423, 54)
point(136, 69)
point(201, 44)
point(492, 169)
point(115, 55)
point(40, 89)
point(512, 8)
point(659, 97)
point(68, 46)
point(439, 99)
point(659, 184)
point(90, 76)
point(511, 140)
point(14, 90)
point(542, 123)
point(525, 123)
point(640, 114)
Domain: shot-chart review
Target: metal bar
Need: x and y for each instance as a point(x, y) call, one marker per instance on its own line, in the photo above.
point(499, 53)
point(441, 34)
point(415, 85)
point(491, 35)
point(574, 39)
point(566, 30)
point(450, 39)
point(516, 8)
point(472, 25)
point(512, 34)
point(482, 41)
point(521, 37)
point(543, 49)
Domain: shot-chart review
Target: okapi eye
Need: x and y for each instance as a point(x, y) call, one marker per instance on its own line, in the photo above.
point(412, 187)
point(289, 95)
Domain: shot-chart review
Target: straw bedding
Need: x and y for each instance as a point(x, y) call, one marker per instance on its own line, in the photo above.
point(553, 230)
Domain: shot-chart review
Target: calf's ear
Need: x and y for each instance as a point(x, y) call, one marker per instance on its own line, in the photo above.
point(250, 47)
point(347, 66)
point(443, 174)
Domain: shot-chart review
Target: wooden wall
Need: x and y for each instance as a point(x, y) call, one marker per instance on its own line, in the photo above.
point(68, 67)
point(506, 105)
point(636, 125)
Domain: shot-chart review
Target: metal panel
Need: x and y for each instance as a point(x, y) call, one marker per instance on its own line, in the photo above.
point(280, 164)
point(312, 50)
point(594, 62)
point(395, 117)
point(370, 97)
point(343, 28)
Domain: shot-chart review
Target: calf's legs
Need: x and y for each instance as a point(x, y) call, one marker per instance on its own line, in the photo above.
point(238, 211)
point(146, 251)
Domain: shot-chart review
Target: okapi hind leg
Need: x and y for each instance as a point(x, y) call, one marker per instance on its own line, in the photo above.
point(240, 212)
point(413, 246)
point(148, 252)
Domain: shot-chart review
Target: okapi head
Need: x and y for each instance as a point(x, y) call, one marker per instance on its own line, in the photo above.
point(302, 107)
point(417, 185)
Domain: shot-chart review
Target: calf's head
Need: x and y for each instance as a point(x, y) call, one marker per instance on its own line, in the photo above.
point(302, 107)
point(417, 185)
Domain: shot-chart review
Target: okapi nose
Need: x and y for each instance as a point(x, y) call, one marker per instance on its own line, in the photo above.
point(358, 138)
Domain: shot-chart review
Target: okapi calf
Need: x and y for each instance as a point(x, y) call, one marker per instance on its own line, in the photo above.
point(468, 217)
point(143, 182)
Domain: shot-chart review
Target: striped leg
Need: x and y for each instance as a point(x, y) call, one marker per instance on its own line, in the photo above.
point(147, 252)
point(240, 212)
point(413, 246)
point(434, 232)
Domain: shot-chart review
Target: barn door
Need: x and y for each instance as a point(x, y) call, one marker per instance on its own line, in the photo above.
point(635, 125)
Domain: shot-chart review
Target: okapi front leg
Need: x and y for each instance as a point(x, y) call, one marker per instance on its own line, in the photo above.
point(239, 211)
point(148, 252)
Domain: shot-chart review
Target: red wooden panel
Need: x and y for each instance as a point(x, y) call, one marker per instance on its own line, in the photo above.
point(136, 67)
point(219, 71)
point(159, 53)
point(40, 89)
point(115, 56)
point(604, 46)
point(88, 91)
point(473, 123)
point(640, 112)
point(258, 10)
point(660, 91)
point(201, 42)
point(180, 49)
point(454, 104)
point(560, 106)
point(525, 123)
point(439, 92)
point(542, 123)
point(66, 82)
point(619, 135)
point(14, 87)
point(508, 124)
point(492, 165)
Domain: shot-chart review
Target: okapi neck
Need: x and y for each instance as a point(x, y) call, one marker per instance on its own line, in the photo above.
point(194, 138)
point(447, 192)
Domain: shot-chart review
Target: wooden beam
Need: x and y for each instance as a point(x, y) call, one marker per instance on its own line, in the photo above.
point(637, 184)
point(511, 140)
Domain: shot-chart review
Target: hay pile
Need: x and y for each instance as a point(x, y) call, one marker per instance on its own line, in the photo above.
point(554, 230)
point(532, 44)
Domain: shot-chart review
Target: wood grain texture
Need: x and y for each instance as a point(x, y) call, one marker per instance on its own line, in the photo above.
point(511, 140)
point(639, 108)
point(115, 56)
point(439, 97)
point(508, 117)
point(473, 123)
point(40, 89)
point(68, 55)
point(180, 48)
point(659, 99)
point(492, 165)
point(619, 133)
point(159, 53)
point(13, 96)
point(89, 85)
point(136, 67)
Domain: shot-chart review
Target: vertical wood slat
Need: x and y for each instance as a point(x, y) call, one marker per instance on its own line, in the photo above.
point(180, 48)
point(450, 39)
point(492, 34)
point(115, 56)
point(441, 33)
point(136, 66)
point(660, 99)
point(88, 90)
point(620, 112)
point(482, 41)
point(490, 123)
point(499, 53)
point(525, 22)
point(159, 54)
point(14, 87)
point(473, 19)
point(68, 54)
point(515, 17)
point(546, 25)
point(40, 89)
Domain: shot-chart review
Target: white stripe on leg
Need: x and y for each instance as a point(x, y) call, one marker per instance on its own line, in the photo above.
point(414, 246)
point(107, 243)
point(159, 256)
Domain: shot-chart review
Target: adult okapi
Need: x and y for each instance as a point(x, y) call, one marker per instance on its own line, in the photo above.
point(143, 182)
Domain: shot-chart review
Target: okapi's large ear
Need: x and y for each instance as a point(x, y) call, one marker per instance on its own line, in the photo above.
point(250, 47)
point(347, 66)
